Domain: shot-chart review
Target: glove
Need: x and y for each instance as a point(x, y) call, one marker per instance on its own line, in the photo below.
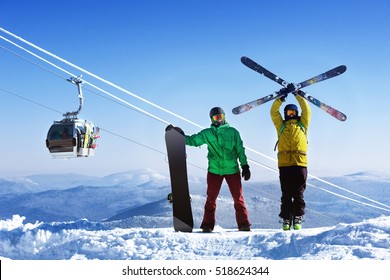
point(290, 87)
point(296, 92)
point(246, 174)
point(285, 91)
point(283, 96)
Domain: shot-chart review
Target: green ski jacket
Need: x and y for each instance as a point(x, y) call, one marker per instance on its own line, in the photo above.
point(225, 147)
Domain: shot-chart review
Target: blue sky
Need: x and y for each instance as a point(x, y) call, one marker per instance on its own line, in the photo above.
point(185, 56)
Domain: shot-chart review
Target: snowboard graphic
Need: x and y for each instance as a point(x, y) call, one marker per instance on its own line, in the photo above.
point(176, 149)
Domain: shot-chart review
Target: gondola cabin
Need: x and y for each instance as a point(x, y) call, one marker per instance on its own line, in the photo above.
point(71, 138)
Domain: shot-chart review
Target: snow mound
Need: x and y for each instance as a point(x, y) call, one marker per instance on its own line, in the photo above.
point(369, 239)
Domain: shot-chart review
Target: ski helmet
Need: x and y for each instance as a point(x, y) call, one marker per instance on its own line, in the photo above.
point(217, 116)
point(290, 112)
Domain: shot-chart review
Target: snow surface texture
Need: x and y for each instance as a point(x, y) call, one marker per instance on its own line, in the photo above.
point(82, 239)
point(125, 216)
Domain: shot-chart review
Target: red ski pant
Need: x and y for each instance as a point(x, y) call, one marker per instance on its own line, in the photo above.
point(214, 183)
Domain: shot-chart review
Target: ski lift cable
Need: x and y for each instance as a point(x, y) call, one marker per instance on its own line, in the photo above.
point(136, 96)
point(105, 81)
point(158, 151)
point(145, 146)
point(348, 191)
point(336, 194)
point(30, 100)
point(117, 98)
point(96, 76)
point(86, 82)
point(351, 199)
point(29, 60)
point(103, 129)
point(122, 102)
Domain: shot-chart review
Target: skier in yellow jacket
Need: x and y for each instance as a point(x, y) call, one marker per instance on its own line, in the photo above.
point(292, 158)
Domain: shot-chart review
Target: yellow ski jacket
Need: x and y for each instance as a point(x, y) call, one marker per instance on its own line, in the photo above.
point(292, 146)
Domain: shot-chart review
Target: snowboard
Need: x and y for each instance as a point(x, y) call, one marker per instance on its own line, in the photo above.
point(180, 197)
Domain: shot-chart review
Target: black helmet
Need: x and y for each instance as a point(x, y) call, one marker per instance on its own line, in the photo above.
point(217, 116)
point(291, 112)
point(216, 111)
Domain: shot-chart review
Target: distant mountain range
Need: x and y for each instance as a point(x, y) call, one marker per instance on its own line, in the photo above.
point(138, 199)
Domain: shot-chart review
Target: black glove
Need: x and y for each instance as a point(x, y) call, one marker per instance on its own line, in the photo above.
point(285, 91)
point(246, 172)
point(283, 96)
point(290, 87)
point(296, 92)
point(178, 129)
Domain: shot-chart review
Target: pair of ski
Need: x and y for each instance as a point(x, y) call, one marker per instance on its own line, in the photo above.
point(290, 87)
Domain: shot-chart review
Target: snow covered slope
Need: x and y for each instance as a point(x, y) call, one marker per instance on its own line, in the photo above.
point(82, 239)
point(126, 216)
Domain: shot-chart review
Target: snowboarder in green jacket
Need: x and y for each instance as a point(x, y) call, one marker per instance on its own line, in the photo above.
point(225, 153)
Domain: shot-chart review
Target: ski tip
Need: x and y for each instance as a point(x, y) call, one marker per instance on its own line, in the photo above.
point(241, 109)
point(246, 60)
point(243, 58)
point(338, 115)
point(342, 68)
point(235, 111)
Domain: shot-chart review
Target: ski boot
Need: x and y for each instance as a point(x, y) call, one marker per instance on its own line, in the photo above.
point(286, 224)
point(298, 222)
point(245, 228)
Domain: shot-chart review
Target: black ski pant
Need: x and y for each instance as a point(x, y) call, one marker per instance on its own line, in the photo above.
point(293, 184)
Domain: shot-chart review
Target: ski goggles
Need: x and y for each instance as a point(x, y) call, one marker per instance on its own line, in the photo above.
point(218, 118)
point(291, 113)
